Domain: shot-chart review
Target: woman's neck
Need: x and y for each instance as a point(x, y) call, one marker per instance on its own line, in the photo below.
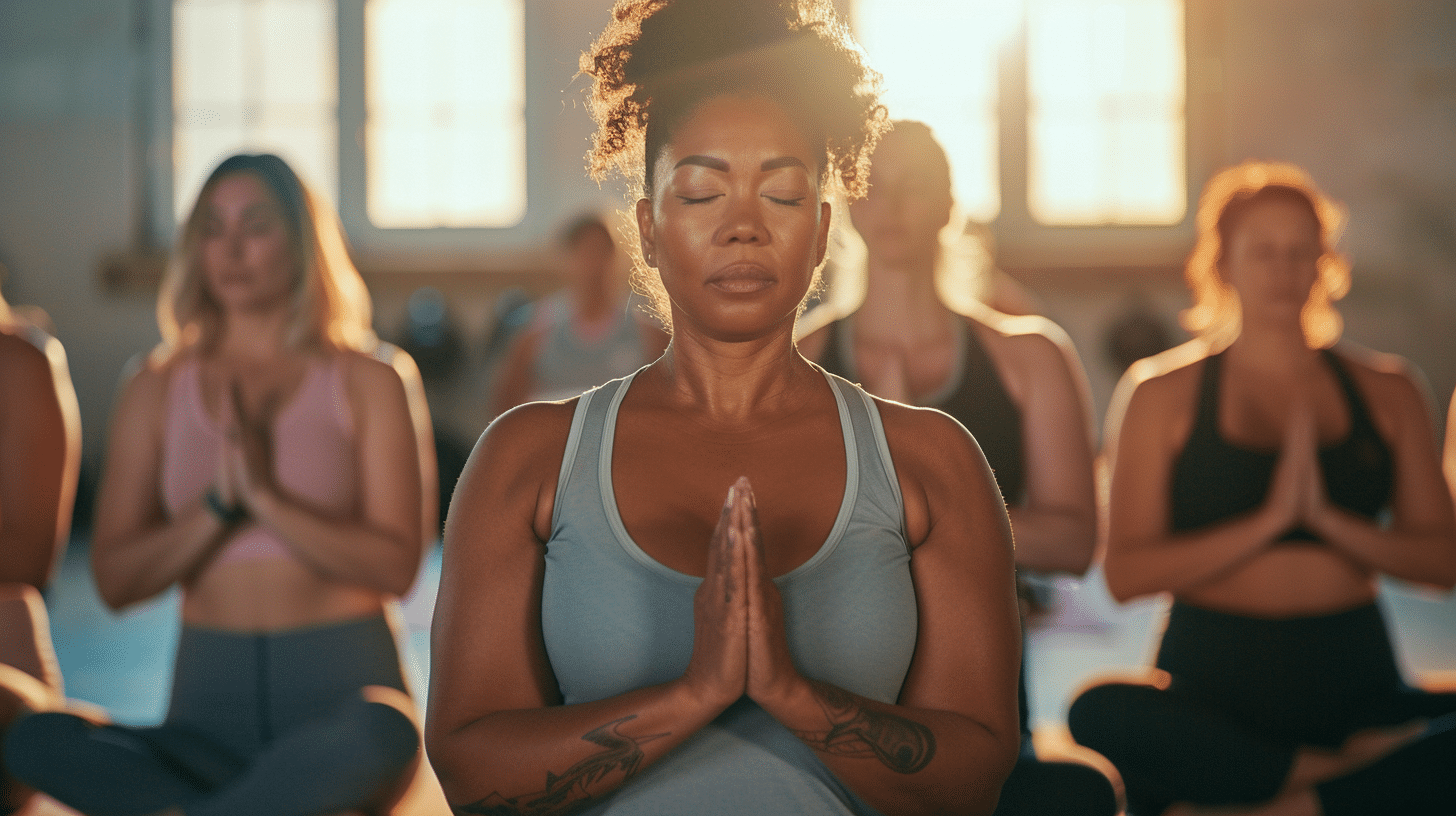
point(731, 384)
point(254, 336)
point(901, 307)
point(1272, 348)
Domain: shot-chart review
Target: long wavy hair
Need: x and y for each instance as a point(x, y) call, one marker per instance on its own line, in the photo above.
point(1216, 313)
point(330, 307)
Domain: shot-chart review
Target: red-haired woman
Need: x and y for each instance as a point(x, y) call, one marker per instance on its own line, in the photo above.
point(1265, 476)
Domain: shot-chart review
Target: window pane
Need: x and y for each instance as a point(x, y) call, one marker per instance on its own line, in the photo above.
point(255, 76)
point(1106, 97)
point(940, 62)
point(445, 98)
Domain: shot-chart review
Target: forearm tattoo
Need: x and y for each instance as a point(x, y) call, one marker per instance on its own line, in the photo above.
point(570, 791)
point(903, 745)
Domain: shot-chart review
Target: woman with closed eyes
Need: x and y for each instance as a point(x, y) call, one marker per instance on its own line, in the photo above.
point(730, 582)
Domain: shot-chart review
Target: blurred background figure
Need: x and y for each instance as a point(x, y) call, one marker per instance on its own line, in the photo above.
point(40, 458)
point(1014, 382)
point(266, 461)
point(584, 335)
point(1265, 476)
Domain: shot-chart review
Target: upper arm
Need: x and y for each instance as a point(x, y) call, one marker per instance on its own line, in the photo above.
point(1422, 498)
point(130, 494)
point(39, 456)
point(486, 644)
point(966, 653)
point(1057, 414)
point(1141, 460)
point(387, 448)
point(419, 410)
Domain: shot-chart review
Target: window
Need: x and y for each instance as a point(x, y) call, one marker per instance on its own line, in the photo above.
point(1103, 101)
point(442, 119)
point(256, 75)
point(445, 91)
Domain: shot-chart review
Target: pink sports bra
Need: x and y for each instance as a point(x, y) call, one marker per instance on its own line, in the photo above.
point(314, 457)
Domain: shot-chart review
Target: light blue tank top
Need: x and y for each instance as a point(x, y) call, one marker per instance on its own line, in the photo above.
point(615, 619)
point(567, 364)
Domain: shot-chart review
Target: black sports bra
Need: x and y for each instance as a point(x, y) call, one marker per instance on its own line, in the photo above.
point(1214, 480)
point(975, 396)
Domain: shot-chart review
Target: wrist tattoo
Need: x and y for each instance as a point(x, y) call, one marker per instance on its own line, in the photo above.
point(901, 744)
point(572, 790)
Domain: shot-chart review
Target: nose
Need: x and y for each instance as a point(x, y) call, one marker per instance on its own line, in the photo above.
point(743, 222)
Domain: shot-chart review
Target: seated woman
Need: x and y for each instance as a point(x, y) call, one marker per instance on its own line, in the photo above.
point(40, 460)
point(584, 335)
point(839, 635)
point(265, 461)
point(1014, 382)
point(1265, 477)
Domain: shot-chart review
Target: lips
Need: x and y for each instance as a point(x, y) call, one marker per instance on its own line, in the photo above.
point(742, 278)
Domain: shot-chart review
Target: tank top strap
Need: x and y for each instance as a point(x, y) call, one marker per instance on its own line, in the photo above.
point(873, 479)
point(1360, 421)
point(580, 462)
point(1206, 419)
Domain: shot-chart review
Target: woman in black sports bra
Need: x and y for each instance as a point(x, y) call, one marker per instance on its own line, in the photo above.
point(1265, 477)
point(1014, 382)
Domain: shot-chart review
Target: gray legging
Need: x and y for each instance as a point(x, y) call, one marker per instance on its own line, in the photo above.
point(258, 724)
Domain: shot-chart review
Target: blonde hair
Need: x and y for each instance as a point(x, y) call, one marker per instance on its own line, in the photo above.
point(330, 305)
point(1216, 314)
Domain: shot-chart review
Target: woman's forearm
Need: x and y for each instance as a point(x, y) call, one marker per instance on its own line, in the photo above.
point(556, 759)
point(1420, 557)
point(345, 550)
point(1182, 562)
point(137, 565)
point(900, 759)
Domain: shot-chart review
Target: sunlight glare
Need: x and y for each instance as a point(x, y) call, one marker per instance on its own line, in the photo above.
point(445, 129)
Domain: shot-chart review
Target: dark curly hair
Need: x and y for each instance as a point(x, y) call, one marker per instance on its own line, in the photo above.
point(659, 59)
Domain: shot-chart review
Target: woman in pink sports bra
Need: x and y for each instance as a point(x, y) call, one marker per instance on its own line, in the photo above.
point(266, 462)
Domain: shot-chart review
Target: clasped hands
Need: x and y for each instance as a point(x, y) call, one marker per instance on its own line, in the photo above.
point(1297, 490)
point(739, 643)
point(243, 461)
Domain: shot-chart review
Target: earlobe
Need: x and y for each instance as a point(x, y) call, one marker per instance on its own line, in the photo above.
point(645, 232)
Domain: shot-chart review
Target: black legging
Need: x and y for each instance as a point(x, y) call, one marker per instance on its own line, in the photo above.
point(258, 724)
point(1247, 693)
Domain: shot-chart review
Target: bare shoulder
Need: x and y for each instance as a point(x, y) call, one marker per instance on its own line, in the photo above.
point(1160, 387)
point(1029, 343)
point(926, 440)
point(25, 366)
point(515, 464)
point(1395, 389)
point(369, 372)
point(149, 376)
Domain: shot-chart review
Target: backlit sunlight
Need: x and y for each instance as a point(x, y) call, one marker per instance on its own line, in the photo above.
point(445, 134)
point(253, 75)
point(1105, 99)
point(940, 62)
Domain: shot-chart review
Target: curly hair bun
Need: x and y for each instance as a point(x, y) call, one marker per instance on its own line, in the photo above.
point(658, 59)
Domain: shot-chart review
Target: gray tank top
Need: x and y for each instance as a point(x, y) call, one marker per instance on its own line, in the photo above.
point(615, 619)
point(567, 364)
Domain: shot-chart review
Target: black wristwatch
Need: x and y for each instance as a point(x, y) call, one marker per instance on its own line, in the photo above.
point(225, 514)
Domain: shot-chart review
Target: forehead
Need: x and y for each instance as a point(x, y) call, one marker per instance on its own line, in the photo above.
point(744, 128)
point(242, 190)
point(1277, 215)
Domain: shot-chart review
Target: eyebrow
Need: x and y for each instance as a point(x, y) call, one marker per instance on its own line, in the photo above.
point(722, 166)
